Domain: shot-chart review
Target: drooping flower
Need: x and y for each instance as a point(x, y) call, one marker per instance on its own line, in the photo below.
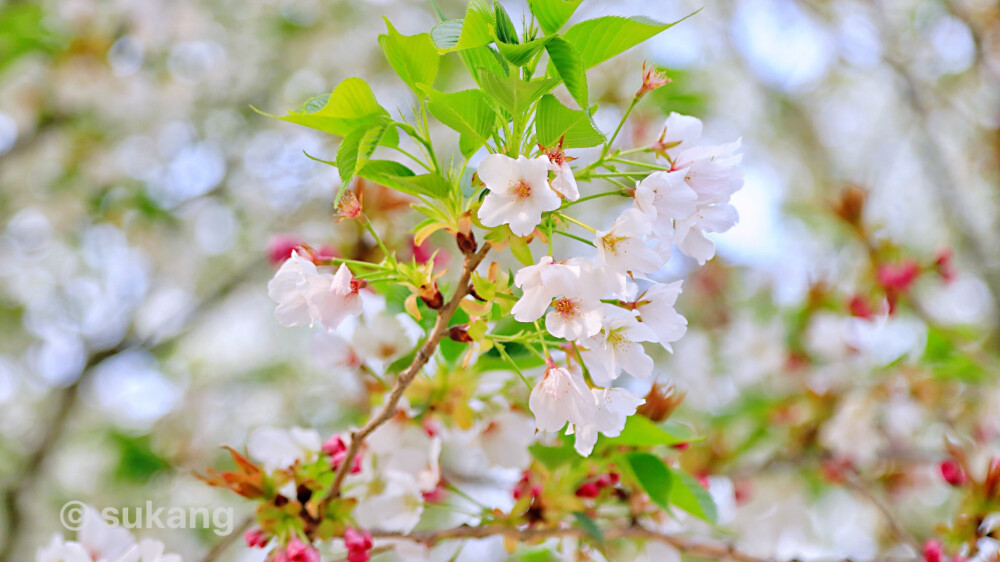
point(281, 448)
point(541, 283)
point(614, 406)
point(305, 296)
point(617, 347)
point(713, 172)
point(622, 248)
point(565, 182)
point(519, 192)
point(561, 397)
point(505, 440)
point(663, 196)
point(689, 233)
point(656, 310)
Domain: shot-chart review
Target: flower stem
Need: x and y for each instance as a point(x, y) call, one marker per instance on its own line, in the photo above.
point(578, 223)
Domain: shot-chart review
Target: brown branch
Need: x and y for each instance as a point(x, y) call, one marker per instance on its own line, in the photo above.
point(713, 550)
point(406, 377)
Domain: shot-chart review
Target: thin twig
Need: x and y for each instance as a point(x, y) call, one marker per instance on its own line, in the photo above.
point(713, 550)
point(406, 377)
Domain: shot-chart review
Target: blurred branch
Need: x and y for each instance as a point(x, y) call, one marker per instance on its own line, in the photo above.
point(715, 551)
point(66, 401)
point(228, 540)
point(854, 482)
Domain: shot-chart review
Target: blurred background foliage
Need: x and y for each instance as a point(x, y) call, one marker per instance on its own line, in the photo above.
point(139, 191)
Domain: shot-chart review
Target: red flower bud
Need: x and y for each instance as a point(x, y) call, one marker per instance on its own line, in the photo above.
point(280, 247)
point(588, 490)
point(933, 551)
point(952, 472)
point(255, 538)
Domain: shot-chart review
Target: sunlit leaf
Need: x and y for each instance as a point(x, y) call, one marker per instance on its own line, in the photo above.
point(475, 30)
point(692, 497)
point(652, 475)
point(469, 112)
point(601, 38)
point(554, 120)
point(569, 66)
point(413, 57)
point(553, 14)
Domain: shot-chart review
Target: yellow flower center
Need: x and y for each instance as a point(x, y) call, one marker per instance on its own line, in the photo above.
point(521, 189)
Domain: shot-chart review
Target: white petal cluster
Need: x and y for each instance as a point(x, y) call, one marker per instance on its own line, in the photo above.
point(594, 303)
point(307, 297)
point(98, 541)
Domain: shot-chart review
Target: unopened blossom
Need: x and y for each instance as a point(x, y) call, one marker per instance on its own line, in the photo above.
point(622, 248)
point(541, 283)
point(149, 550)
point(359, 545)
point(391, 501)
point(656, 310)
point(505, 440)
point(617, 347)
point(613, 407)
point(298, 551)
point(680, 132)
point(281, 246)
point(305, 296)
point(690, 233)
point(561, 397)
point(652, 79)
point(519, 192)
point(281, 448)
point(255, 538)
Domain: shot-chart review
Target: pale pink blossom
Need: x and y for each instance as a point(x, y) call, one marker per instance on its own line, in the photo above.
point(613, 407)
point(541, 283)
point(689, 233)
point(656, 310)
point(519, 192)
point(505, 439)
point(617, 347)
point(561, 397)
point(280, 448)
point(663, 197)
point(622, 248)
point(305, 296)
point(565, 182)
point(680, 132)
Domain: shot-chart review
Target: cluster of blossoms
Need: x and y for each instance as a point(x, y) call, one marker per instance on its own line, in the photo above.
point(98, 541)
point(596, 303)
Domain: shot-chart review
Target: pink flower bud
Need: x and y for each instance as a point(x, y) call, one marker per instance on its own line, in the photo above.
point(334, 445)
point(255, 538)
point(298, 551)
point(588, 490)
point(280, 246)
point(952, 472)
point(933, 551)
point(357, 539)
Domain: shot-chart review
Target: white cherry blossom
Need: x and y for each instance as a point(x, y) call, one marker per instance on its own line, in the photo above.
point(565, 182)
point(519, 192)
point(613, 407)
point(622, 248)
point(576, 313)
point(305, 296)
point(404, 447)
point(713, 172)
point(505, 440)
point(561, 396)
point(391, 501)
point(149, 550)
point(617, 347)
point(689, 234)
point(663, 196)
point(541, 283)
point(680, 132)
point(281, 448)
point(656, 310)
point(60, 550)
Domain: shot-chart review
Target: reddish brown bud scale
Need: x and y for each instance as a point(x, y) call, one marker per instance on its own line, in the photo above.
point(460, 333)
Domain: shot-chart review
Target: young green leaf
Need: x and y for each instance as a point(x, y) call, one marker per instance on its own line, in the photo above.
point(640, 431)
point(521, 54)
point(569, 67)
point(553, 14)
point(483, 59)
point(475, 30)
point(469, 112)
point(554, 121)
point(350, 104)
point(653, 476)
point(692, 497)
point(602, 38)
point(413, 57)
point(357, 148)
point(397, 176)
point(513, 94)
point(505, 30)
point(552, 457)
point(590, 527)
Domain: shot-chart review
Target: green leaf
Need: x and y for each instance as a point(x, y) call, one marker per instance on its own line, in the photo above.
point(569, 66)
point(590, 527)
point(413, 57)
point(469, 112)
point(692, 497)
point(513, 94)
point(602, 38)
point(505, 30)
point(350, 105)
point(554, 120)
point(475, 30)
point(521, 251)
point(640, 431)
point(553, 457)
point(521, 54)
point(553, 14)
point(357, 148)
point(397, 176)
point(483, 59)
point(653, 476)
